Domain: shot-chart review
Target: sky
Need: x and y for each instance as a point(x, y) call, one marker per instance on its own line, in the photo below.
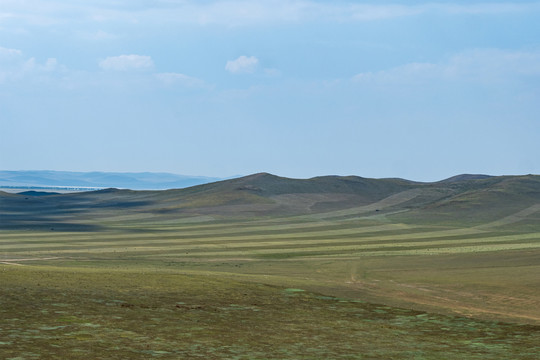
point(300, 88)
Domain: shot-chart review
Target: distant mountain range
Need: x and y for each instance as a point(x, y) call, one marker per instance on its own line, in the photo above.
point(46, 179)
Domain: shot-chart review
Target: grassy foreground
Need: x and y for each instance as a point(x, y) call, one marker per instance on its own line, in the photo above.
point(74, 313)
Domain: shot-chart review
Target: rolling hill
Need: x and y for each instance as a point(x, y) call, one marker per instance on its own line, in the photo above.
point(470, 199)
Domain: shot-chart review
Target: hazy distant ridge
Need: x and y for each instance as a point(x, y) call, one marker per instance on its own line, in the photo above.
point(135, 181)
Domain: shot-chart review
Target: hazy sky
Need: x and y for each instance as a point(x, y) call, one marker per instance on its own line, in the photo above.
point(413, 89)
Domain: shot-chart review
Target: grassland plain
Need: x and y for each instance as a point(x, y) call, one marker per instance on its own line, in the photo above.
point(404, 271)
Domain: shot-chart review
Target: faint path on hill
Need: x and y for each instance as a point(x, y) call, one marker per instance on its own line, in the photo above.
point(520, 215)
point(389, 201)
point(16, 261)
point(10, 263)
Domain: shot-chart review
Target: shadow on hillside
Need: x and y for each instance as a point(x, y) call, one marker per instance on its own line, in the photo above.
point(48, 226)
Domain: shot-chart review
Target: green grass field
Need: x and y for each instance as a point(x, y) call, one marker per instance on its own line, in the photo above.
point(379, 281)
point(70, 313)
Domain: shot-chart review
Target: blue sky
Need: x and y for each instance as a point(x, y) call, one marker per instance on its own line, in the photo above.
point(412, 89)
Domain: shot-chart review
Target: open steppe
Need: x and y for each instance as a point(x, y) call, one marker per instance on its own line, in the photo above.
point(267, 267)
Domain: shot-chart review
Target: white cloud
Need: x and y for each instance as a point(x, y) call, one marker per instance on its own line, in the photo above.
point(404, 73)
point(484, 8)
point(9, 53)
point(237, 12)
point(244, 12)
point(99, 35)
point(494, 63)
point(51, 64)
point(480, 65)
point(14, 67)
point(126, 62)
point(243, 64)
point(379, 12)
point(176, 78)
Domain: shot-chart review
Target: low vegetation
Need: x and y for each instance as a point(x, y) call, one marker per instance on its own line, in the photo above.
point(324, 268)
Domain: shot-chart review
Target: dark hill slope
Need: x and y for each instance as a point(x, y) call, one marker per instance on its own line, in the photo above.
point(478, 201)
point(494, 191)
point(268, 186)
point(266, 194)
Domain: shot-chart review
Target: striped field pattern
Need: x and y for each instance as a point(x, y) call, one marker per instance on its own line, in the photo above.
point(278, 238)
